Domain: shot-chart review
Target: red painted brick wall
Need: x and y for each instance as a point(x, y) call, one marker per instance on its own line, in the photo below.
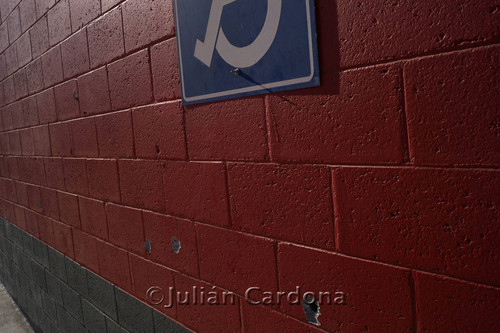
point(382, 183)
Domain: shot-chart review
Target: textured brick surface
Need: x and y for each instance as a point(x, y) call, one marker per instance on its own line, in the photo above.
point(102, 295)
point(34, 198)
point(42, 6)
point(15, 143)
point(196, 191)
point(16, 114)
point(41, 140)
point(125, 228)
point(94, 320)
point(103, 179)
point(114, 135)
point(9, 88)
point(146, 21)
point(445, 304)
point(94, 92)
point(68, 209)
point(367, 33)
point(221, 131)
point(83, 12)
point(75, 176)
point(106, 38)
point(11, 59)
point(233, 264)
point(284, 202)
point(20, 84)
point(84, 137)
point(107, 4)
point(160, 230)
point(27, 13)
point(421, 218)
point(63, 239)
point(450, 115)
point(46, 106)
point(59, 23)
point(55, 173)
point(114, 265)
point(366, 305)
point(24, 49)
point(27, 145)
point(49, 203)
point(75, 54)
point(165, 68)
point(256, 318)
point(52, 66)
point(158, 132)
point(39, 37)
point(33, 171)
point(132, 314)
point(60, 140)
point(85, 250)
point(141, 184)
point(62, 296)
point(368, 184)
point(354, 117)
point(93, 217)
point(66, 104)
point(207, 318)
point(130, 81)
point(14, 24)
point(146, 274)
point(34, 72)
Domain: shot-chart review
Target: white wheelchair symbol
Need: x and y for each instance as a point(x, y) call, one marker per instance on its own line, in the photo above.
point(239, 57)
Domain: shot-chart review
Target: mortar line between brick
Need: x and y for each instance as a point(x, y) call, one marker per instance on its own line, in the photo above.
point(88, 55)
point(406, 133)
point(413, 294)
point(228, 196)
point(134, 154)
point(70, 20)
point(197, 250)
point(334, 204)
point(286, 163)
point(175, 288)
point(276, 261)
point(184, 129)
point(267, 120)
point(119, 182)
point(123, 32)
point(150, 67)
point(240, 310)
point(130, 275)
point(109, 96)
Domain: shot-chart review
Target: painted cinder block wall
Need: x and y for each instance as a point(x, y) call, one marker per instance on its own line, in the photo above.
point(382, 183)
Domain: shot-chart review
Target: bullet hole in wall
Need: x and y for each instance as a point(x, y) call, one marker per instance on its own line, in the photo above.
point(310, 306)
point(147, 246)
point(176, 244)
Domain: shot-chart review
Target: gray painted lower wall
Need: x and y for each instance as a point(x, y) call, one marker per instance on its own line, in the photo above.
point(58, 295)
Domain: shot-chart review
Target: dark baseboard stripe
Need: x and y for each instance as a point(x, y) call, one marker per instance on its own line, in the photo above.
point(56, 294)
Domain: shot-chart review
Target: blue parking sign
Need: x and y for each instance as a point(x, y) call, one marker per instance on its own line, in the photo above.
point(234, 48)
